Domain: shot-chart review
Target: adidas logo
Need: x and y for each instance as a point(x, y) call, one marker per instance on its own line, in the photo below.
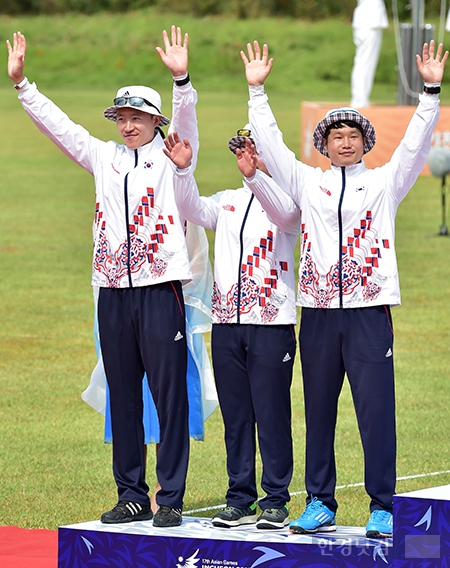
point(286, 358)
point(389, 353)
point(134, 508)
point(178, 336)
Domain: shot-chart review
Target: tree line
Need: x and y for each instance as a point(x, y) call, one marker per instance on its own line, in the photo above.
point(305, 9)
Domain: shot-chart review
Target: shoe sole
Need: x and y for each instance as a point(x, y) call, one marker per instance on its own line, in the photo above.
point(377, 534)
point(228, 524)
point(166, 524)
point(134, 519)
point(322, 528)
point(270, 525)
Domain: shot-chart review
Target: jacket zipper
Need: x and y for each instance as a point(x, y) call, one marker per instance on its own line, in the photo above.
point(341, 304)
point(241, 254)
point(127, 221)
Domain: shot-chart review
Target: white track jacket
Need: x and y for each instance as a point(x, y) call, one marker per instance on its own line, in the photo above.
point(254, 281)
point(348, 214)
point(139, 236)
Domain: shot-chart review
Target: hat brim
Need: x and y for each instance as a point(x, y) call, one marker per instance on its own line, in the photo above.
point(111, 113)
point(238, 141)
point(365, 124)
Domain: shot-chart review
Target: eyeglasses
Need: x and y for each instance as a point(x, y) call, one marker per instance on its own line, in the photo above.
point(243, 132)
point(136, 102)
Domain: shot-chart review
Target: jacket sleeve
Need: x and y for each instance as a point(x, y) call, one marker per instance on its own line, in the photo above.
point(184, 117)
point(71, 138)
point(283, 166)
point(202, 211)
point(410, 156)
point(279, 206)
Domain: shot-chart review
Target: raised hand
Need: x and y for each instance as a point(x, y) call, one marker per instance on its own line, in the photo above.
point(180, 152)
point(431, 67)
point(175, 56)
point(257, 66)
point(247, 159)
point(16, 57)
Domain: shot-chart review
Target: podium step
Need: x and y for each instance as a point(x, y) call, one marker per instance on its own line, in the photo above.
point(197, 544)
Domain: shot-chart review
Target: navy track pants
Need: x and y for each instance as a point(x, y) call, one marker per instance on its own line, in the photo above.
point(358, 342)
point(142, 329)
point(253, 372)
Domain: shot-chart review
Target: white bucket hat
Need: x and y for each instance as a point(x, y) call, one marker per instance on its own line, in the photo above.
point(141, 98)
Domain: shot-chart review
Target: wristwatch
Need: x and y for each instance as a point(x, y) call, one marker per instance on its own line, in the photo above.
point(21, 85)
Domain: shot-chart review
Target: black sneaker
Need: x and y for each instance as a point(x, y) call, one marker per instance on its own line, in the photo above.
point(273, 518)
point(127, 512)
point(167, 517)
point(232, 517)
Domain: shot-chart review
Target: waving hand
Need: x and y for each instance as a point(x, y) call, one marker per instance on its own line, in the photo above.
point(257, 65)
point(16, 57)
point(175, 55)
point(431, 67)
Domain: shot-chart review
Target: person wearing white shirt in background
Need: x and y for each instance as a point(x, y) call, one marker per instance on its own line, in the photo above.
point(369, 20)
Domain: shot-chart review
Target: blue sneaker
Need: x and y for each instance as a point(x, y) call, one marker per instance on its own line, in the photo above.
point(380, 524)
point(316, 517)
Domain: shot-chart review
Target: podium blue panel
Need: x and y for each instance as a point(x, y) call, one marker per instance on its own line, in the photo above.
point(422, 529)
point(197, 544)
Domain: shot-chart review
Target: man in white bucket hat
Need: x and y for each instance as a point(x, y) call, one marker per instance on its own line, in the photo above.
point(348, 279)
point(138, 97)
point(140, 261)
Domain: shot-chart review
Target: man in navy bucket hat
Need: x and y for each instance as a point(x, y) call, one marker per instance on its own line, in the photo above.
point(338, 116)
point(348, 280)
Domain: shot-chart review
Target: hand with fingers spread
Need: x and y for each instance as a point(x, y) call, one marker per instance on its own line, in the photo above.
point(175, 55)
point(257, 66)
point(180, 152)
point(431, 67)
point(16, 57)
point(247, 159)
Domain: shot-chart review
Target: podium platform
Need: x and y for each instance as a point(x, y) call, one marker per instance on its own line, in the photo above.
point(197, 544)
point(421, 539)
point(422, 528)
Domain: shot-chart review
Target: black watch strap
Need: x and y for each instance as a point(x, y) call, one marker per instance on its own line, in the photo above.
point(182, 82)
point(432, 90)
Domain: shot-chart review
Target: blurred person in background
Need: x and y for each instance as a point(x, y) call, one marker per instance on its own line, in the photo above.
point(369, 20)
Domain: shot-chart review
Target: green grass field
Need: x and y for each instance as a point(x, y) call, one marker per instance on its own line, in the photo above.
point(54, 467)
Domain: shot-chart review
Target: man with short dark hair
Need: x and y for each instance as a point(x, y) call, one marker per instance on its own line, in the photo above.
point(348, 280)
point(140, 261)
point(253, 337)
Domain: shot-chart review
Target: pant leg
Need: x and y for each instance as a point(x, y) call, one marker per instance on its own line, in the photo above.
point(368, 356)
point(368, 46)
point(124, 371)
point(271, 354)
point(229, 359)
point(162, 339)
point(323, 375)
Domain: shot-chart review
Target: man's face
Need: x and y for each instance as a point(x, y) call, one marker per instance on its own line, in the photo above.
point(136, 127)
point(345, 146)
